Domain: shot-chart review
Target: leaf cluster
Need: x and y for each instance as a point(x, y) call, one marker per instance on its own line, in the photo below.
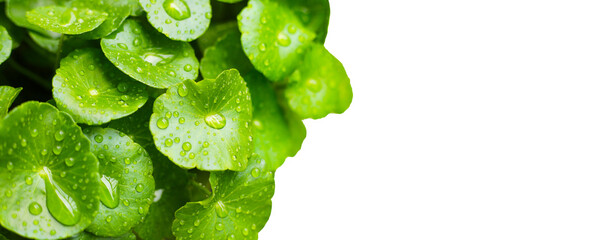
point(155, 119)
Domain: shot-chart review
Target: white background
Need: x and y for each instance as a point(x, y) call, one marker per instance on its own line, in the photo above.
point(470, 120)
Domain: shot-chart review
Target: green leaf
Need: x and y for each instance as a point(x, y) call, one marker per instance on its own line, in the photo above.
point(229, 1)
point(205, 124)
point(148, 56)
point(314, 15)
point(16, 11)
point(17, 34)
point(214, 32)
point(127, 185)
point(226, 53)
point(182, 20)
point(66, 20)
point(238, 209)
point(89, 236)
point(171, 192)
point(273, 38)
point(50, 42)
point(319, 86)
point(117, 12)
point(50, 175)
point(6, 44)
point(276, 135)
point(93, 91)
point(7, 96)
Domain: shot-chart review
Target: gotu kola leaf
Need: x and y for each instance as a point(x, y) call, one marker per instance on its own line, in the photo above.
point(276, 135)
point(67, 20)
point(16, 11)
point(93, 91)
point(50, 175)
point(6, 44)
point(117, 10)
point(206, 124)
point(171, 180)
point(7, 96)
point(148, 56)
point(238, 209)
point(127, 185)
point(273, 38)
point(181, 20)
point(319, 86)
point(89, 236)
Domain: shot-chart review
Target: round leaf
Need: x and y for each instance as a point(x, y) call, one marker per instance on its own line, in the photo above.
point(238, 209)
point(182, 20)
point(49, 176)
point(16, 11)
point(273, 38)
point(276, 135)
point(7, 96)
point(6, 44)
point(127, 185)
point(171, 192)
point(205, 124)
point(314, 14)
point(320, 86)
point(93, 91)
point(67, 20)
point(226, 53)
point(148, 56)
point(118, 11)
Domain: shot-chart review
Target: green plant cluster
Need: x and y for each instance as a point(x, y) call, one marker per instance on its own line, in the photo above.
point(155, 119)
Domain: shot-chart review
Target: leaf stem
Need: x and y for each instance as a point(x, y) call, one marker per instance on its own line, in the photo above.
point(36, 78)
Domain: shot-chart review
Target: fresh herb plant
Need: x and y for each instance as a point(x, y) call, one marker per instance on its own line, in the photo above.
point(155, 119)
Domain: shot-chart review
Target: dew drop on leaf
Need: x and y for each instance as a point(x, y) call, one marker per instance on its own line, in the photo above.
point(215, 120)
point(61, 206)
point(177, 9)
point(109, 192)
point(162, 123)
point(35, 208)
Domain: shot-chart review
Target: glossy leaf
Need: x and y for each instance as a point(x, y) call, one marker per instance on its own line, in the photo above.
point(117, 12)
point(319, 86)
point(313, 14)
point(171, 180)
point(181, 20)
point(148, 56)
point(50, 174)
point(6, 44)
point(276, 135)
point(67, 20)
point(50, 42)
point(238, 209)
point(16, 11)
point(206, 124)
point(127, 185)
point(16, 33)
point(7, 96)
point(229, 1)
point(226, 53)
point(273, 38)
point(93, 91)
point(214, 32)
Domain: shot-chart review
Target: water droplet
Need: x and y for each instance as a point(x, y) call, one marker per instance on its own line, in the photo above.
point(215, 120)
point(283, 39)
point(35, 208)
point(219, 226)
point(93, 92)
point(29, 180)
point(168, 142)
point(34, 132)
point(256, 172)
point(292, 29)
point(139, 187)
point(221, 209)
point(60, 135)
point(187, 146)
point(57, 150)
point(188, 68)
point(162, 123)
point(109, 191)
point(69, 161)
point(122, 46)
point(61, 205)
point(98, 138)
point(177, 9)
point(122, 87)
point(24, 142)
point(182, 90)
point(182, 120)
point(262, 47)
point(108, 218)
point(245, 231)
point(136, 42)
